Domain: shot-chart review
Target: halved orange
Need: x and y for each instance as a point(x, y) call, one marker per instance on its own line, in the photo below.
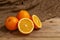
point(37, 22)
point(25, 26)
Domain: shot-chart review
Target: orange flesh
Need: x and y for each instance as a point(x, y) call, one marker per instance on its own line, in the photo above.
point(37, 21)
point(26, 25)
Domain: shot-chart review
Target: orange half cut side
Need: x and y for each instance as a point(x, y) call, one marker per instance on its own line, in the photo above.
point(25, 25)
point(37, 21)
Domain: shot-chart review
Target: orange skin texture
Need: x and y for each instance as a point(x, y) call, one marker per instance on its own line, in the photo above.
point(23, 14)
point(11, 23)
point(35, 26)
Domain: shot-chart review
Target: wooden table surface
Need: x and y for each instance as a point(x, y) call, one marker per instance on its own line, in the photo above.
point(45, 10)
point(50, 31)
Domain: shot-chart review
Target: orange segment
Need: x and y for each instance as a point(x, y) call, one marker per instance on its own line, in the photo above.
point(37, 21)
point(25, 26)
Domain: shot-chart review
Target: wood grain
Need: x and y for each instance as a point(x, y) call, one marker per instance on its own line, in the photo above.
point(47, 10)
point(50, 30)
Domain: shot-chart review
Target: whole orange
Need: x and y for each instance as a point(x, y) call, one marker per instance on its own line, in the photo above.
point(11, 23)
point(23, 14)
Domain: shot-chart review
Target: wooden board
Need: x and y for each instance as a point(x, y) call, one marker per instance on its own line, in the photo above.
point(50, 31)
point(46, 9)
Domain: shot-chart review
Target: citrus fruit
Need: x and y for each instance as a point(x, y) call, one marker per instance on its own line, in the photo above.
point(37, 22)
point(25, 26)
point(23, 14)
point(11, 23)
